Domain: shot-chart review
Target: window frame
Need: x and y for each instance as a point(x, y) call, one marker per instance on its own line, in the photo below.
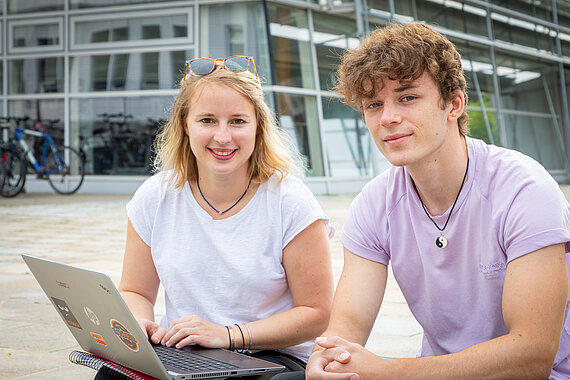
point(12, 24)
point(75, 20)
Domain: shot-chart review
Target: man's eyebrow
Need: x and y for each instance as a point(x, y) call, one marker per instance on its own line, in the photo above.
point(405, 87)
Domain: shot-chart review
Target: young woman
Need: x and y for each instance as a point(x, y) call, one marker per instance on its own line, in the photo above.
point(238, 243)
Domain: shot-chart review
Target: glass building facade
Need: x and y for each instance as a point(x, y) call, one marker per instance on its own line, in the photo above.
point(101, 75)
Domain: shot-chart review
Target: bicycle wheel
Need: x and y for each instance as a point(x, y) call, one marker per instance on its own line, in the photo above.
point(14, 164)
point(2, 176)
point(65, 170)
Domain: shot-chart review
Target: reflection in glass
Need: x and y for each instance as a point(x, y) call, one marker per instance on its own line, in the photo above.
point(28, 6)
point(453, 15)
point(298, 118)
point(35, 76)
point(85, 4)
point(476, 65)
point(332, 36)
point(541, 9)
point(120, 72)
point(530, 96)
point(478, 70)
point(290, 46)
point(477, 123)
point(131, 29)
point(521, 32)
point(116, 134)
point(35, 35)
point(536, 137)
point(44, 115)
point(235, 29)
point(349, 147)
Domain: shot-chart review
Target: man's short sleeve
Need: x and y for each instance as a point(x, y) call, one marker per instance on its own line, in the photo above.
point(366, 225)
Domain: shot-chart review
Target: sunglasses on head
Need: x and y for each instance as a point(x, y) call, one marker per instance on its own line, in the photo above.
point(205, 66)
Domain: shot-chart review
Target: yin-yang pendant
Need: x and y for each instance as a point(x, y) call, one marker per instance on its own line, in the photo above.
point(441, 241)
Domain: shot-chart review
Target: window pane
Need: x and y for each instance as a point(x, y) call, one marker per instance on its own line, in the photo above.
point(449, 14)
point(235, 29)
point(116, 134)
point(35, 35)
point(478, 127)
point(565, 42)
point(35, 76)
point(44, 115)
point(536, 137)
point(131, 29)
point(349, 147)
point(538, 8)
point(290, 46)
point(521, 32)
point(298, 118)
point(476, 63)
point(135, 71)
point(380, 5)
point(529, 89)
point(332, 35)
point(27, 6)
point(84, 4)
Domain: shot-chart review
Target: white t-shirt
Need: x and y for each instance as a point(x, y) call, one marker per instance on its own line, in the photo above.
point(225, 271)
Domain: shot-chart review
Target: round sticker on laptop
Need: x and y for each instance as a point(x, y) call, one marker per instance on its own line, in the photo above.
point(124, 335)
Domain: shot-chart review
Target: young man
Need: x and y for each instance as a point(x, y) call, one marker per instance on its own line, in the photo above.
point(476, 235)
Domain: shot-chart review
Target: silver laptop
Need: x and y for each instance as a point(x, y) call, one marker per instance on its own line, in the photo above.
point(95, 313)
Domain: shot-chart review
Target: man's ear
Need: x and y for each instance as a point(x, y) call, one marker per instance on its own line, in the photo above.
point(457, 105)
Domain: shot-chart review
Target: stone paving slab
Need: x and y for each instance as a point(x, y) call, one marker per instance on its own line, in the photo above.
point(89, 231)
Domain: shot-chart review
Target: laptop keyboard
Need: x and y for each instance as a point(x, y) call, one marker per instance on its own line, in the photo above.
point(188, 361)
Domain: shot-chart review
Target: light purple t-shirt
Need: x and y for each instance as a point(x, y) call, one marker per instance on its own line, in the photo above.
point(508, 207)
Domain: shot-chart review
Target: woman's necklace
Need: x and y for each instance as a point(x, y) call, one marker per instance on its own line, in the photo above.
point(229, 208)
point(441, 241)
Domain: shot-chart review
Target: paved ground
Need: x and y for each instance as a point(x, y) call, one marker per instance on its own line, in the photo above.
point(89, 231)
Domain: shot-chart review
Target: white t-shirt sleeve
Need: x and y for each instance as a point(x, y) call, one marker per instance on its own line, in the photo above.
point(300, 209)
point(141, 209)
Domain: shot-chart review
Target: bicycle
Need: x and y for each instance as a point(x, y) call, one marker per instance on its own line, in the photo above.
point(12, 162)
point(62, 166)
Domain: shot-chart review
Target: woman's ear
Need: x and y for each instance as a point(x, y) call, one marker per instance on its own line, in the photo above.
point(185, 124)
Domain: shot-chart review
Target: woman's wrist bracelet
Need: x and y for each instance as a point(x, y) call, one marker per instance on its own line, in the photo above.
point(232, 341)
point(242, 340)
point(229, 338)
point(248, 333)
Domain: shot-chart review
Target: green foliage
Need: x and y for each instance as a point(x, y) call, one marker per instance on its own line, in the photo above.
point(477, 126)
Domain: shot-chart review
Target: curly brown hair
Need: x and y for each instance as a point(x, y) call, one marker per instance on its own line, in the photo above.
point(403, 53)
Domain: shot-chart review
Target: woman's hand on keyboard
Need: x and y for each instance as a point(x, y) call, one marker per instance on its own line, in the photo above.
point(195, 330)
point(152, 330)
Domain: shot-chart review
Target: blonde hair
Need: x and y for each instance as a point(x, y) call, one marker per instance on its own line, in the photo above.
point(271, 155)
point(403, 53)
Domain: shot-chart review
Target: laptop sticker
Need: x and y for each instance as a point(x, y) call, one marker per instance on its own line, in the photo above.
point(66, 313)
point(99, 339)
point(124, 335)
point(92, 316)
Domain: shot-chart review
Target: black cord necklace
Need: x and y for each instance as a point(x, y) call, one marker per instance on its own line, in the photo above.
point(441, 241)
point(229, 208)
